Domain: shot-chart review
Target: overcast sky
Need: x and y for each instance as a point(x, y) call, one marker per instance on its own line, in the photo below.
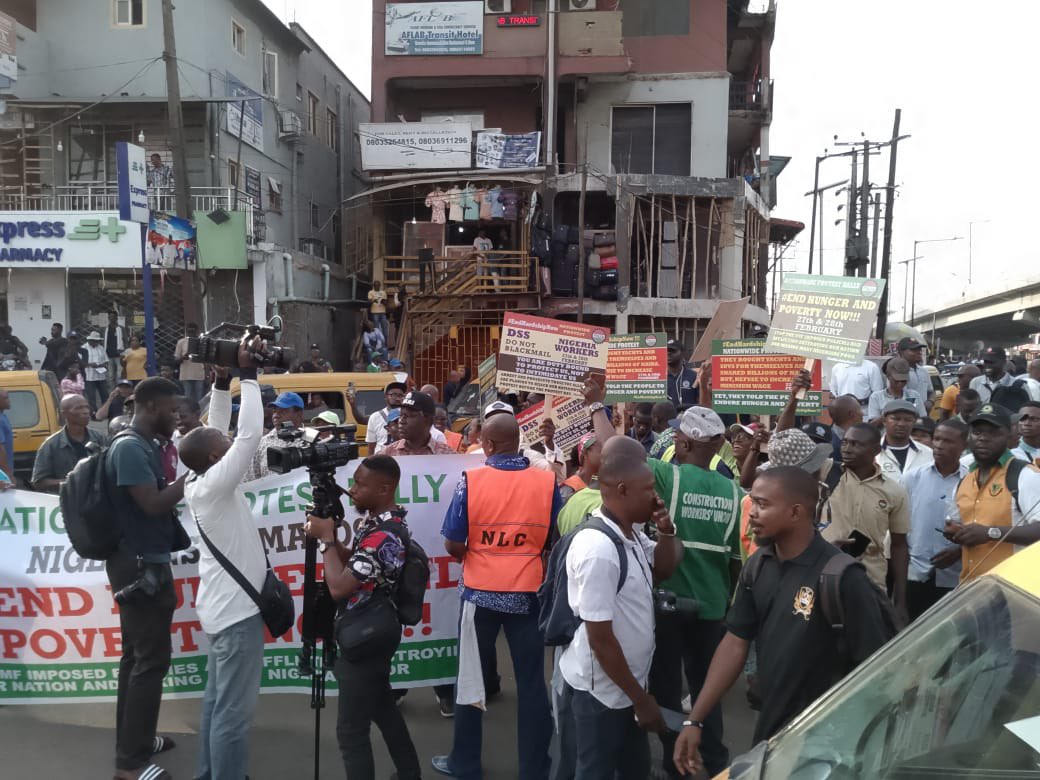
point(962, 74)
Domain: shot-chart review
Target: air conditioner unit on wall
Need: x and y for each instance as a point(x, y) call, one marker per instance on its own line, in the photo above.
point(290, 124)
point(498, 6)
point(581, 5)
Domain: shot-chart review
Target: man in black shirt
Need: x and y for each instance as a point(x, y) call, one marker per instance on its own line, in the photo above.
point(56, 346)
point(777, 604)
point(62, 450)
point(682, 380)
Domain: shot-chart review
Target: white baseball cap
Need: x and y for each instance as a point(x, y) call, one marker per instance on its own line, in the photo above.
point(498, 407)
point(699, 423)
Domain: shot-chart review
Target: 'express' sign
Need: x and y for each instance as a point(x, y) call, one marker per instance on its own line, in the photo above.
point(33, 239)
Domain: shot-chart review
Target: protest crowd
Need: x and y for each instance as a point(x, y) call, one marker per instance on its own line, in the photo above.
point(651, 548)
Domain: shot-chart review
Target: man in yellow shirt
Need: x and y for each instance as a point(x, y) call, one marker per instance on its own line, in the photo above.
point(377, 309)
point(948, 403)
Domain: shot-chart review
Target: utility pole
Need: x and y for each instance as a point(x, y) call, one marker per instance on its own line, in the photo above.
point(175, 116)
point(886, 252)
point(581, 224)
point(874, 241)
point(850, 216)
point(864, 214)
point(812, 224)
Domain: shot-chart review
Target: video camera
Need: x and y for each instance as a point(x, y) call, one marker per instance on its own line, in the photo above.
point(303, 447)
point(207, 348)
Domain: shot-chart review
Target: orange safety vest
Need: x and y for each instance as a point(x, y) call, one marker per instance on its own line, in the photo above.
point(575, 483)
point(747, 539)
point(453, 439)
point(509, 517)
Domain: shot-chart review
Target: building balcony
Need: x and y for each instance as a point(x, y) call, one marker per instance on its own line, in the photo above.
point(750, 95)
point(104, 196)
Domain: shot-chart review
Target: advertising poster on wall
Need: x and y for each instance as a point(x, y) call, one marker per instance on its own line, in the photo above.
point(171, 242)
point(433, 29)
point(419, 145)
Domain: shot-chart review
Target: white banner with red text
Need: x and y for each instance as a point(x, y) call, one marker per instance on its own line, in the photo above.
point(59, 626)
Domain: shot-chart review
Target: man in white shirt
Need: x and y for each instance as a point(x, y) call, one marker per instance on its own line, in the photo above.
point(229, 616)
point(912, 351)
point(192, 375)
point(897, 372)
point(858, 380)
point(993, 373)
point(900, 455)
point(605, 667)
point(95, 371)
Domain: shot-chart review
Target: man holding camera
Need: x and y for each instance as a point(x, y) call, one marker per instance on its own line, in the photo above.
point(358, 577)
point(229, 616)
point(705, 507)
point(141, 577)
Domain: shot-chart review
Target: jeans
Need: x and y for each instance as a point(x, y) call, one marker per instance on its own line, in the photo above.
point(534, 720)
point(96, 393)
point(609, 742)
point(145, 630)
point(194, 388)
point(115, 370)
point(688, 643)
point(381, 322)
point(236, 659)
point(365, 698)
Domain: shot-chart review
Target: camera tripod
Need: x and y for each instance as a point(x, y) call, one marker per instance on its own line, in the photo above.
point(319, 609)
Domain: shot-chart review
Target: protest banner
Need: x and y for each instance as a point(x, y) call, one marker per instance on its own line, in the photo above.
point(539, 355)
point(569, 415)
point(487, 394)
point(745, 379)
point(825, 317)
point(59, 627)
point(637, 364)
point(724, 324)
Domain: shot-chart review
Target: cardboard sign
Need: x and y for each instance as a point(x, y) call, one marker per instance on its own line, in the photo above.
point(825, 317)
point(746, 379)
point(539, 355)
point(569, 415)
point(725, 324)
point(486, 383)
point(637, 366)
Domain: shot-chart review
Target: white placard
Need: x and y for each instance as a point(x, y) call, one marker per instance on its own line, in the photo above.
point(415, 145)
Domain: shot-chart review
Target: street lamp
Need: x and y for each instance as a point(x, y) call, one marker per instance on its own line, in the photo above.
point(913, 290)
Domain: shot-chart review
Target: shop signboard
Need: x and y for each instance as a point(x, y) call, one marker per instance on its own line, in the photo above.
point(508, 150)
point(68, 239)
point(250, 126)
point(425, 29)
point(8, 42)
point(132, 181)
point(418, 145)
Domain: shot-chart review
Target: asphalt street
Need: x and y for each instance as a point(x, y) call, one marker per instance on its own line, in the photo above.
point(76, 740)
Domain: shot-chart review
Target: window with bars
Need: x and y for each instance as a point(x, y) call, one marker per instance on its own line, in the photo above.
point(651, 139)
point(128, 13)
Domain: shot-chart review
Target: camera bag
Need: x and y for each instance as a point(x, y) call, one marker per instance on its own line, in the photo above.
point(274, 599)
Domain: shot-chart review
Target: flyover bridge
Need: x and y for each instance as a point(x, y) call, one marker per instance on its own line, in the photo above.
point(999, 320)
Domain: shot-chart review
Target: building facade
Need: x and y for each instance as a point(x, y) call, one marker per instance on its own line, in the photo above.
point(658, 110)
point(270, 140)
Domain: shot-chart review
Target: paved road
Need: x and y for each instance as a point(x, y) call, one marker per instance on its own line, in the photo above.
point(76, 740)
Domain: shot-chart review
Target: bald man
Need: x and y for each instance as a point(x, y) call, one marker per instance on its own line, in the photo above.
point(432, 391)
point(60, 453)
point(845, 412)
point(499, 524)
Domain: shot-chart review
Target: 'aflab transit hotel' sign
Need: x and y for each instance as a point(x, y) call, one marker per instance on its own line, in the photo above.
point(434, 28)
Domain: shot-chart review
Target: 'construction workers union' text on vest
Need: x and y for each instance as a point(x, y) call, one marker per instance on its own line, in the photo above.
point(509, 516)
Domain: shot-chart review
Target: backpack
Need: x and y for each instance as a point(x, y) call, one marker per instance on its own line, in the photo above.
point(415, 576)
point(90, 515)
point(556, 620)
point(1012, 396)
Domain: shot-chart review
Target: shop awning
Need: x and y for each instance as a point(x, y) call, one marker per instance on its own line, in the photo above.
point(525, 176)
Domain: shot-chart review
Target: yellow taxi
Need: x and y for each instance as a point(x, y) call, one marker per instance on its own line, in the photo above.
point(34, 415)
point(955, 695)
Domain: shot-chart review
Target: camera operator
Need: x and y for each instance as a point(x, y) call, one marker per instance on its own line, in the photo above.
point(140, 575)
point(229, 616)
point(357, 577)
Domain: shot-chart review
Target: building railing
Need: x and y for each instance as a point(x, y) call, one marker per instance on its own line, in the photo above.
point(104, 196)
point(472, 274)
point(747, 96)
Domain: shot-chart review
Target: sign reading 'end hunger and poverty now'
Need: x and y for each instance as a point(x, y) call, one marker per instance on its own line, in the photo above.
point(745, 379)
point(636, 367)
point(539, 355)
point(825, 317)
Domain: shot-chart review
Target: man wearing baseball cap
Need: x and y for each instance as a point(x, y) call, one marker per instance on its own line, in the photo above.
point(898, 374)
point(287, 408)
point(912, 351)
point(682, 380)
point(376, 435)
point(900, 455)
point(993, 374)
point(416, 422)
point(705, 507)
point(997, 510)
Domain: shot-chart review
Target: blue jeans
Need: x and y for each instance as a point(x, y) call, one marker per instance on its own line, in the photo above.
point(534, 720)
point(194, 388)
point(236, 659)
point(381, 322)
point(609, 743)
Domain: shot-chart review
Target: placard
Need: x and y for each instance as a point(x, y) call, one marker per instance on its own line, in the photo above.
point(431, 29)
point(569, 415)
point(745, 379)
point(825, 317)
point(724, 324)
point(394, 145)
point(487, 392)
point(540, 355)
point(503, 150)
point(637, 367)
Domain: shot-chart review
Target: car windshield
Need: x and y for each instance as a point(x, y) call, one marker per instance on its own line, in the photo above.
point(957, 695)
point(465, 403)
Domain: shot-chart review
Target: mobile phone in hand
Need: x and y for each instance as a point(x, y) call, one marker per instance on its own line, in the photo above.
point(860, 542)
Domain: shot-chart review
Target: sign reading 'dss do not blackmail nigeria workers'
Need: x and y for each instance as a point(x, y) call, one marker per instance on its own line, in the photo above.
point(825, 317)
point(745, 379)
point(539, 355)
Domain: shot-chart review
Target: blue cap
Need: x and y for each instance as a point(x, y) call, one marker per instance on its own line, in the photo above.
point(392, 415)
point(288, 401)
point(395, 363)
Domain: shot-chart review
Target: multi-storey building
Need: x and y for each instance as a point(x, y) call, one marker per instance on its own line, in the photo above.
point(269, 134)
point(658, 109)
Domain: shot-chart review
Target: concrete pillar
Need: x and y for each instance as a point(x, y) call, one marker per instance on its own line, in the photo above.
point(260, 291)
point(731, 255)
point(625, 204)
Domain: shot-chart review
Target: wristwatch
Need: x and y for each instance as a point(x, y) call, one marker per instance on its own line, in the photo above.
point(695, 723)
point(323, 546)
point(593, 408)
point(995, 534)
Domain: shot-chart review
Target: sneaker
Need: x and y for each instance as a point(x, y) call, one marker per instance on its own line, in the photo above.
point(441, 765)
point(446, 707)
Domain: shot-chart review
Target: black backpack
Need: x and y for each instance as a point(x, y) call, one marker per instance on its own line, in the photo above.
point(556, 619)
point(1011, 397)
point(90, 515)
point(415, 576)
